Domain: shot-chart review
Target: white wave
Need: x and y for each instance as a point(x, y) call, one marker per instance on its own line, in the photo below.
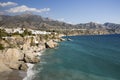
point(40, 53)
point(30, 72)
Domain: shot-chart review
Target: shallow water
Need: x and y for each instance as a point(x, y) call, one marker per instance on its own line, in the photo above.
point(83, 58)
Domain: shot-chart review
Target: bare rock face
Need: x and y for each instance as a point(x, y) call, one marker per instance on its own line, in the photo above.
point(13, 55)
point(31, 57)
point(11, 58)
point(27, 42)
point(51, 44)
point(5, 44)
point(14, 65)
point(4, 68)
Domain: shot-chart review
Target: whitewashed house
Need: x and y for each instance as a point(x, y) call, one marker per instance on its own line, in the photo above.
point(13, 30)
point(21, 30)
point(39, 32)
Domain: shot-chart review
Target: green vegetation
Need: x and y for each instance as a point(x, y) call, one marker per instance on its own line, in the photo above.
point(43, 37)
point(32, 43)
point(3, 33)
point(16, 33)
point(48, 36)
point(25, 33)
point(1, 47)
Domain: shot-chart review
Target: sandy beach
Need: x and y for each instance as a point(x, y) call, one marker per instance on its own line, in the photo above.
point(14, 75)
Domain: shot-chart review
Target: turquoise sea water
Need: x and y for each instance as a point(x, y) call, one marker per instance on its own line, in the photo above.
point(83, 58)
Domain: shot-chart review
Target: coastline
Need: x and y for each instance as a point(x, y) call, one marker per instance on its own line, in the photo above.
point(22, 75)
point(18, 74)
point(30, 72)
point(17, 62)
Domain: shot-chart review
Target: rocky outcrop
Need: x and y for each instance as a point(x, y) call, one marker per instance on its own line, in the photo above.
point(12, 59)
point(23, 67)
point(51, 44)
point(13, 55)
point(25, 50)
point(16, 59)
point(31, 57)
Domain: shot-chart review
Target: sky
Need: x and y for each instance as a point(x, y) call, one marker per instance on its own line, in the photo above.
point(70, 11)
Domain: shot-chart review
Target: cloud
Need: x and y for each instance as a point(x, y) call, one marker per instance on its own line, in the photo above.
point(24, 8)
point(4, 4)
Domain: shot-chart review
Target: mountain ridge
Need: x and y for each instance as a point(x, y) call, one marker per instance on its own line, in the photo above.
point(39, 22)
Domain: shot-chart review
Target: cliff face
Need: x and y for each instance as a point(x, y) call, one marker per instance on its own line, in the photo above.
point(21, 50)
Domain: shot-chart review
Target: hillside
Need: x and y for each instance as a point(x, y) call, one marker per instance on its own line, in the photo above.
point(31, 21)
point(41, 23)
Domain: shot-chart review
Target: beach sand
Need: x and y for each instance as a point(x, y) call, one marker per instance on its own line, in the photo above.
point(14, 75)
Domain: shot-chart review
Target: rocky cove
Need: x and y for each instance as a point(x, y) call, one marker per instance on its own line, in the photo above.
point(18, 51)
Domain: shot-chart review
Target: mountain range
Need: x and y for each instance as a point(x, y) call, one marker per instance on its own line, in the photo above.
point(39, 22)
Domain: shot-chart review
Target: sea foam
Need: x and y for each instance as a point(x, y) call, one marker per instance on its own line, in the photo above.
point(30, 72)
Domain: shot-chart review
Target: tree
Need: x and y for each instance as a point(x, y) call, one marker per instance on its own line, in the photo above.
point(3, 33)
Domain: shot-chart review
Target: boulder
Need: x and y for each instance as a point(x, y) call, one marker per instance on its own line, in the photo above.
point(3, 67)
point(23, 67)
point(14, 65)
point(20, 65)
point(31, 57)
point(51, 44)
point(12, 58)
point(13, 55)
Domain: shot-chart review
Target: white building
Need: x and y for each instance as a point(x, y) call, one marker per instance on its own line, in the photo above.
point(13, 30)
point(20, 30)
point(39, 32)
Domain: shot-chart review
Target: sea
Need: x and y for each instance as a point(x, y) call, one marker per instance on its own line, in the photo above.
point(90, 57)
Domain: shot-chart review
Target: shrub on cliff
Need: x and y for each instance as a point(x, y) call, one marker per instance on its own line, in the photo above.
point(26, 32)
point(32, 42)
point(1, 47)
point(3, 33)
point(16, 33)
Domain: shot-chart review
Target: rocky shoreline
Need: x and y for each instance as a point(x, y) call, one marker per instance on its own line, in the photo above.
point(24, 50)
